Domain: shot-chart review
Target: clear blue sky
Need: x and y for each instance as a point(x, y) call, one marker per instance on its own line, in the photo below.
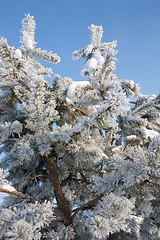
point(62, 26)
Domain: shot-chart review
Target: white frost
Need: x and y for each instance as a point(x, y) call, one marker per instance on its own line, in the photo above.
point(16, 127)
point(28, 43)
point(91, 64)
point(149, 133)
point(8, 187)
point(131, 137)
point(100, 59)
point(94, 63)
point(73, 88)
point(18, 53)
point(1, 63)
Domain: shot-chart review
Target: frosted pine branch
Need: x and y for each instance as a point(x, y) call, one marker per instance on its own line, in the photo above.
point(49, 57)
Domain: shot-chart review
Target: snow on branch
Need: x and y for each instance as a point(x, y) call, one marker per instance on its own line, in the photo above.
point(28, 30)
point(96, 34)
point(49, 57)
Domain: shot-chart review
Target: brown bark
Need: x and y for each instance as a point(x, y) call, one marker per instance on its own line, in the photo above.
point(88, 205)
point(113, 236)
point(18, 194)
point(63, 205)
point(61, 200)
point(64, 209)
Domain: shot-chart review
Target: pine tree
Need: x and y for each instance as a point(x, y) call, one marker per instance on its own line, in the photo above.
point(80, 159)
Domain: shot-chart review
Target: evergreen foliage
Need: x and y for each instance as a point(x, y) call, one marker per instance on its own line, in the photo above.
point(80, 159)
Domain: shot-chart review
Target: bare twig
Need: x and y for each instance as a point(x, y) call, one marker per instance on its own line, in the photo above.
point(88, 205)
point(83, 177)
point(132, 102)
point(18, 99)
point(18, 194)
point(77, 109)
point(40, 175)
point(101, 133)
point(81, 111)
point(10, 140)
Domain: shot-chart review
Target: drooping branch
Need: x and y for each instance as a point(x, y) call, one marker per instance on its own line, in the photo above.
point(32, 200)
point(18, 194)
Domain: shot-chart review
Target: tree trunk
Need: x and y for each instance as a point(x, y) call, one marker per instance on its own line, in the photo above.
point(61, 200)
point(64, 208)
point(113, 236)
